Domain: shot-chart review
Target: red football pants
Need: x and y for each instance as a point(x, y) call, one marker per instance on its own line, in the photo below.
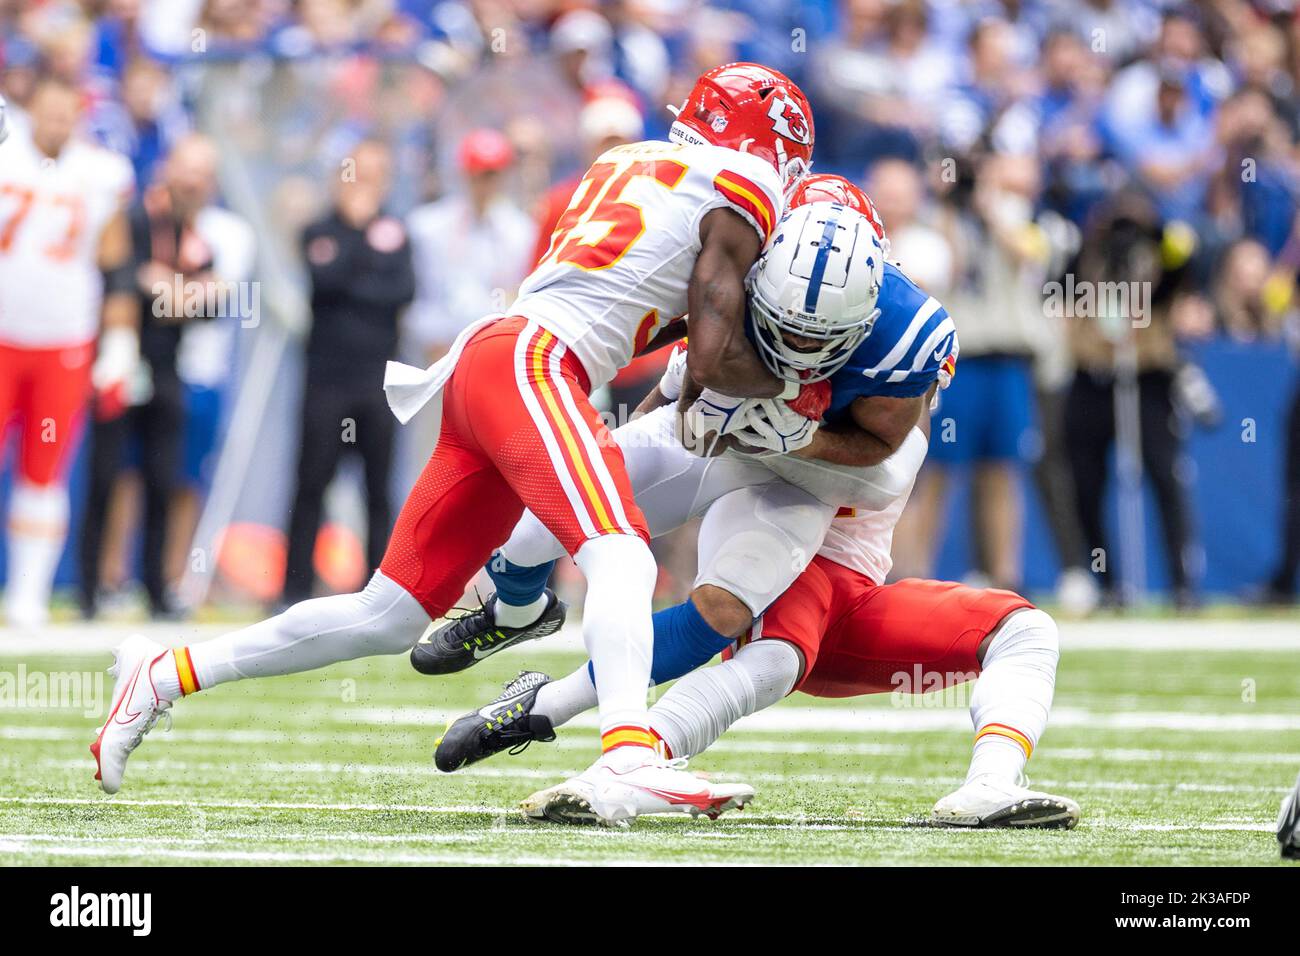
point(858, 637)
point(518, 431)
point(47, 391)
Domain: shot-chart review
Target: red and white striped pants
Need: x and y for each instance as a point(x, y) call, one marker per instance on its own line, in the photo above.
point(518, 431)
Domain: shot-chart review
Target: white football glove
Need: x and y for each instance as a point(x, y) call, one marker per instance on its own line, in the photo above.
point(771, 425)
point(119, 377)
point(117, 359)
point(670, 384)
point(711, 416)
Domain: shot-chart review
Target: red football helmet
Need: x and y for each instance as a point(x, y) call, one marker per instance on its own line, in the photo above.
point(753, 109)
point(824, 187)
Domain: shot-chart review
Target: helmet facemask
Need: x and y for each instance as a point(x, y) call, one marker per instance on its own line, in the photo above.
point(771, 324)
point(819, 279)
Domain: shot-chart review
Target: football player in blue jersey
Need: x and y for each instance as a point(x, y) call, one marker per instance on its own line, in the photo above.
point(834, 630)
point(824, 304)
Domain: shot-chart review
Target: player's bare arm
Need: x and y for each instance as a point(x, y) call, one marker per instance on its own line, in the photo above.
point(721, 357)
point(653, 399)
point(879, 425)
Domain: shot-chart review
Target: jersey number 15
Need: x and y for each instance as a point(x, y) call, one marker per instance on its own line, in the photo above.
point(600, 204)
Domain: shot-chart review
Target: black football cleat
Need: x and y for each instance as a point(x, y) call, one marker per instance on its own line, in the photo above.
point(460, 644)
point(508, 723)
point(1288, 824)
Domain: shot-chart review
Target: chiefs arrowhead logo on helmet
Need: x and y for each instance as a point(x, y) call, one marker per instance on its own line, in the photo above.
point(753, 109)
point(788, 120)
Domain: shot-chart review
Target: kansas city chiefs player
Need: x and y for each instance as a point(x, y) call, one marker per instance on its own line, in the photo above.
point(64, 251)
point(865, 633)
point(653, 230)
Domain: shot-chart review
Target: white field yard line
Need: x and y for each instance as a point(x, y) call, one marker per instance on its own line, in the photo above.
point(254, 805)
point(743, 821)
point(589, 834)
point(776, 720)
point(1265, 634)
point(151, 853)
point(893, 720)
point(532, 777)
point(733, 743)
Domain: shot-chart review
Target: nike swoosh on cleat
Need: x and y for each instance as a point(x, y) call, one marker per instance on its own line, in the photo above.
point(126, 697)
point(489, 712)
point(480, 654)
point(701, 801)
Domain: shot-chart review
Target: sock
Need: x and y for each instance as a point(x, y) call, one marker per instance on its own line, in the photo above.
point(382, 619)
point(700, 707)
point(509, 615)
point(38, 526)
point(562, 700)
point(617, 630)
point(173, 674)
point(1013, 695)
point(683, 642)
point(521, 590)
point(997, 756)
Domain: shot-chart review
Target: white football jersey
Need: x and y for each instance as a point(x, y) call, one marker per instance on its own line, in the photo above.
point(622, 255)
point(52, 213)
point(861, 540)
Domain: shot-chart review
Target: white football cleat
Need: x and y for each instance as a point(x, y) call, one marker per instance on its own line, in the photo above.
point(136, 707)
point(606, 796)
point(989, 802)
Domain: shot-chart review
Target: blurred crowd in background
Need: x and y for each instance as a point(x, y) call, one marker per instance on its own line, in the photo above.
point(1013, 147)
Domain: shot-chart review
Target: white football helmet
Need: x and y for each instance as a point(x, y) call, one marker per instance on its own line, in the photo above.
point(4, 122)
point(818, 278)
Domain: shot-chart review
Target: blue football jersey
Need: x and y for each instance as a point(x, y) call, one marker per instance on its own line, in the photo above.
point(912, 340)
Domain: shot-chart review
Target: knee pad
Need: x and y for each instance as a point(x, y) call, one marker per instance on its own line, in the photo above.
point(772, 667)
point(755, 541)
point(531, 543)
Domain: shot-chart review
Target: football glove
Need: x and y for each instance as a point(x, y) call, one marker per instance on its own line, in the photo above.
point(118, 376)
point(670, 384)
point(772, 425)
point(709, 417)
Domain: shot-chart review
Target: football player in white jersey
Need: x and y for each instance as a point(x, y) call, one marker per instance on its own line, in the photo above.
point(835, 633)
point(653, 231)
point(752, 542)
point(64, 253)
